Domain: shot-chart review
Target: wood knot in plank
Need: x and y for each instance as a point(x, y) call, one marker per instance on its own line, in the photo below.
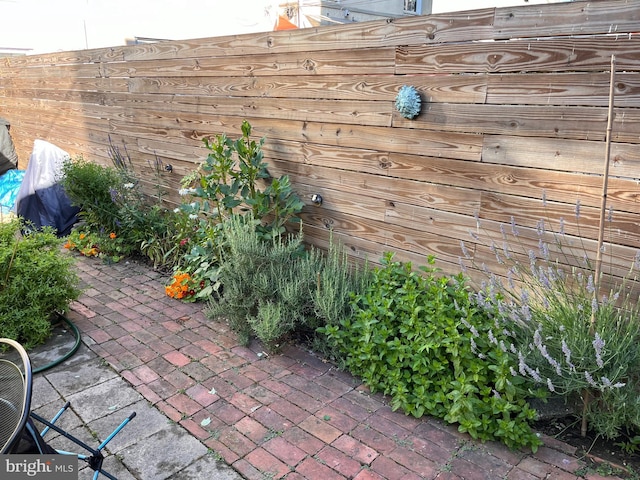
point(309, 65)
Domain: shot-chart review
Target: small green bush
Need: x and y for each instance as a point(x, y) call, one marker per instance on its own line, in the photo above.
point(92, 187)
point(36, 280)
point(267, 284)
point(568, 333)
point(410, 339)
point(273, 288)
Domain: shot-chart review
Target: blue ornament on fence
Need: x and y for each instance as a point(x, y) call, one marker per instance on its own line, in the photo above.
point(408, 102)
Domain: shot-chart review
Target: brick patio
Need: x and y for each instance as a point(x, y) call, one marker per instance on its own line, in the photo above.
point(290, 415)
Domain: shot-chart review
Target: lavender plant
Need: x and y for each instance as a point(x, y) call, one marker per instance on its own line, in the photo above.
point(565, 334)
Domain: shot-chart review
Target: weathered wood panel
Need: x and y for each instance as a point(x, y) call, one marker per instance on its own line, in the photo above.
point(522, 55)
point(515, 105)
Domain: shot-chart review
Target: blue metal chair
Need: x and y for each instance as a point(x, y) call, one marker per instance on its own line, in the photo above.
point(18, 432)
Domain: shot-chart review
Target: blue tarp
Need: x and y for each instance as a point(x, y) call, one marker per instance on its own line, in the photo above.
point(10, 183)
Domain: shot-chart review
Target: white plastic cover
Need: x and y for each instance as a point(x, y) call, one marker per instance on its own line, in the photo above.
point(41, 199)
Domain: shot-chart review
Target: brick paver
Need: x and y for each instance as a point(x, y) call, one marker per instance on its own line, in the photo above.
point(288, 415)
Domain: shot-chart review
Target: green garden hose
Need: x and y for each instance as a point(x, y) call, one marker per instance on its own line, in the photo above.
point(74, 349)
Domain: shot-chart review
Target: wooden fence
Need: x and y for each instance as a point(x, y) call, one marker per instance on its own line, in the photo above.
point(515, 107)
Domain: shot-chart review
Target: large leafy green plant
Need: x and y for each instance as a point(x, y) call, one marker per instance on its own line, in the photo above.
point(410, 338)
point(232, 181)
point(36, 281)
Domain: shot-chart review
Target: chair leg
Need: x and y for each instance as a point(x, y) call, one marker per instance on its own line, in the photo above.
point(96, 458)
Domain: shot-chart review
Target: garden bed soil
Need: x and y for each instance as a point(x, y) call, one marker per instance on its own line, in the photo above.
point(600, 454)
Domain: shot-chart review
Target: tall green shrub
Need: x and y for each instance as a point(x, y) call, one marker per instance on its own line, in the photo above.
point(267, 283)
point(92, 188)
point(36, 281)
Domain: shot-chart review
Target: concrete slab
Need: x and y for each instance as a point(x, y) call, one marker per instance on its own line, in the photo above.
point(77, 377)
point(206, 467)
point(164, 454)
point(104, 398)
point(147, 421)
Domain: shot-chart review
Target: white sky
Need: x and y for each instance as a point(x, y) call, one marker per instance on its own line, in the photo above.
point(58, 25)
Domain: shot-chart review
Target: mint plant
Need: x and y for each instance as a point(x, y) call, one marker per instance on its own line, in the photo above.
point(411, 338)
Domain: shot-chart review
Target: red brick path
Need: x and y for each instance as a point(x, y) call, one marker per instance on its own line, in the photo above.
point(290, 415)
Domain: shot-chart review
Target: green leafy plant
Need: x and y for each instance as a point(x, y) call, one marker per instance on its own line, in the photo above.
point(92, 187)
point(564, 333)
point(36, 281)
point(232, 181)
point(108, 247)
point(267, 283)
point(410, 338)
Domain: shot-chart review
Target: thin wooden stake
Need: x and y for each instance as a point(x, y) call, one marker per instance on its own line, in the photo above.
point(605, 183)
point(586, 394)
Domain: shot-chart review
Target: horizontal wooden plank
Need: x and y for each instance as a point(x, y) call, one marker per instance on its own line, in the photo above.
point(89, 70)
point(579, 156)
point(584, 123)
point(434, 88)
point(570, 18)
point(492, 241)
point(522, 55)
point(573, 88)
point(388, 237)
point(582, 221)
point(390, 190)
point(531, 183)
point(356, 61)
point(445, 27)
point(83, 85)
point(444, 144)
point(359, 112)
point(105, 54)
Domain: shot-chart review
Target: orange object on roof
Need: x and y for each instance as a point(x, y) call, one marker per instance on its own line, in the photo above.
point(283, 23)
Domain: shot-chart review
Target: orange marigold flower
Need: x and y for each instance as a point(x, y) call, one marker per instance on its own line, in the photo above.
point(112, 235)
point(82, 235)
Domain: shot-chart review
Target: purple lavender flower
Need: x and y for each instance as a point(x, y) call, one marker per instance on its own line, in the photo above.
point(567, 354)
point(544, 249)
point(550, 385)
point(514, 228)
point(598, 346)
point(465, 252)
point(589, 379)
point(463, 267)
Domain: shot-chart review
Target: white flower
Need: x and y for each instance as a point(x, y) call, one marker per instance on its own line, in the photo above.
point(186, 191)
point(176, 210)
point(128, 186)
point(193, 216)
